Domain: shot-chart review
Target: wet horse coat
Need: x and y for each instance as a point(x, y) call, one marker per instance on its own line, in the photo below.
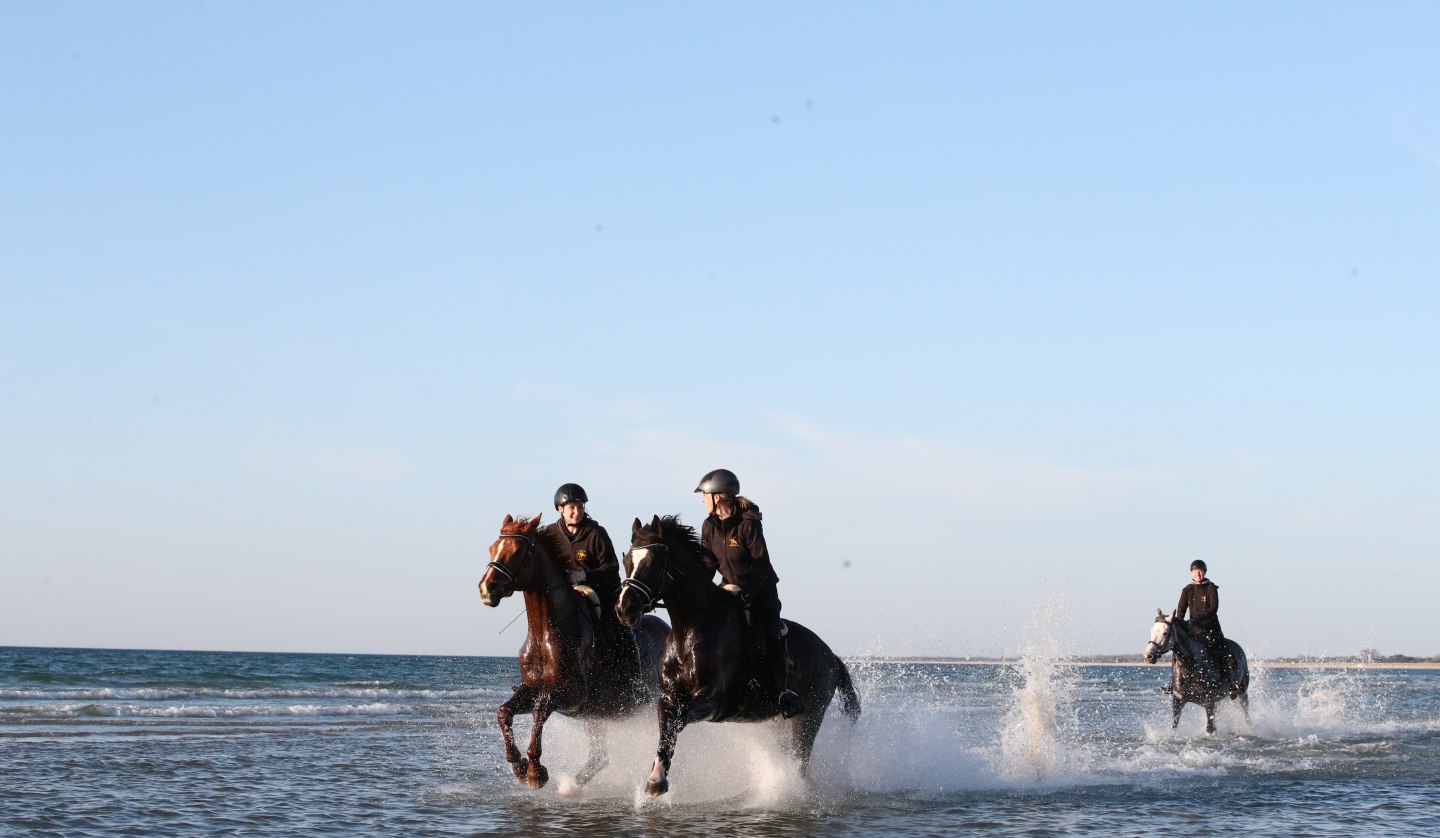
point(1195, 676)
point(563, 667)
point(706, 672)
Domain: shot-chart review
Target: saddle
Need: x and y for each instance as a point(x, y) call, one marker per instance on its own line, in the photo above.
point(736, 591)
point(590, 598)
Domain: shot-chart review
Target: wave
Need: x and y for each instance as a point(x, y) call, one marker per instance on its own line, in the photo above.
point(173, 693)
point(64, 712)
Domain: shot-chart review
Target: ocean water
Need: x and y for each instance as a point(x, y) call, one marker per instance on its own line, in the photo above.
point(105, 742)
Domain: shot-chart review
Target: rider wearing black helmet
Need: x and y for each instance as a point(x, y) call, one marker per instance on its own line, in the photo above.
point(589, 556)
point(1201, 600)
point(734, 542)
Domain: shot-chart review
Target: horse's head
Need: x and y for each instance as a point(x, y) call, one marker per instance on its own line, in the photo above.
point(513, 559)
point(1161, 633)
point(646, 571)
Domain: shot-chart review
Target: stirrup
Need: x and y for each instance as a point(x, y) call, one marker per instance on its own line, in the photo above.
point(790, 704)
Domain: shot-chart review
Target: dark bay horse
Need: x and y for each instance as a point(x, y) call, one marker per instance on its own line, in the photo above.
point(566, 663)
point(1195, 676)
point(707, 668)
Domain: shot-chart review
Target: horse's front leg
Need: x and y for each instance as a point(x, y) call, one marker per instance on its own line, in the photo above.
point(520, 702)
point(538, 776)
point(595, 732)
point(1176, 705)
point(1210, 717)
point(672, 721)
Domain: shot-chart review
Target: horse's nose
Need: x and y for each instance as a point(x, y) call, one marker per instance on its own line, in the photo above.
point(486, 596)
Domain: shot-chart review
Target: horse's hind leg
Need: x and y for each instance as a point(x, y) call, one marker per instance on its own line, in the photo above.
point(1176, 705)
point(1210, 717)
point(595, 732)
point(804, 729)
point(521, 702)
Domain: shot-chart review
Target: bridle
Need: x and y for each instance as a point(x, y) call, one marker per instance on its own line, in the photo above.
point(652, 596)
point(519, 562)
point(1162, 648)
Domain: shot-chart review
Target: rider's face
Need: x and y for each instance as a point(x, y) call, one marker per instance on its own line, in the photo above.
point(709, 500)
point(1198, 575)
point(572, 512)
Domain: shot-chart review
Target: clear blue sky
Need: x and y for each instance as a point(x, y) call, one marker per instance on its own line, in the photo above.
point(991, 306)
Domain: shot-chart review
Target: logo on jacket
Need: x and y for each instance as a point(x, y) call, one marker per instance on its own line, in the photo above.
point(582, 555)
point(734, 542)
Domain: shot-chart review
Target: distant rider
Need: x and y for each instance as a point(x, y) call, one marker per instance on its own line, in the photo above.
point(589, 557)
point(1201, 600)
point(734, 542)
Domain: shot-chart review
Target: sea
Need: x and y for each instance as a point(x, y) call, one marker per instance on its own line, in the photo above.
point(98, 742)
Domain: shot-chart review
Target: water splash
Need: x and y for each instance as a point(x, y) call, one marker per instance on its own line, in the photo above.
point(1035, 737)
point(933, 729)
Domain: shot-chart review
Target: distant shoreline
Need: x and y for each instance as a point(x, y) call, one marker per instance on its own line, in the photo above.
point(1283, 663)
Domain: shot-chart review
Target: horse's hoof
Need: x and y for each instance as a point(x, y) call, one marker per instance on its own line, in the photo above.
point(521, 767)
point(655, 789)
point(539, 776)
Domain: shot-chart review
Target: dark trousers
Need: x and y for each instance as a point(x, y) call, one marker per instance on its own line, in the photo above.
point(765, 612)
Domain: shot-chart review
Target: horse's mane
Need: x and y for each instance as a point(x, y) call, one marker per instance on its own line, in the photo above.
point(547, 537)
point(684, 532)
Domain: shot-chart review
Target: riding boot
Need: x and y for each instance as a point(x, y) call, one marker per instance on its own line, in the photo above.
point(777, 659)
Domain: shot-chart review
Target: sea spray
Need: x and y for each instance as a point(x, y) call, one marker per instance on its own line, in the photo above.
point(1034, 742)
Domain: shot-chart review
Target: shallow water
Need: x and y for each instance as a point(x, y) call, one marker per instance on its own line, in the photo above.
point(184, 743)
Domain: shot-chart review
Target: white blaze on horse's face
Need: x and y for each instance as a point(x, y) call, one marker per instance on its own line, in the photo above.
point(487, 594)
point(638, 557)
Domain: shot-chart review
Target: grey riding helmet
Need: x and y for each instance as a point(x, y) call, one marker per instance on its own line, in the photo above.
point(721, 481)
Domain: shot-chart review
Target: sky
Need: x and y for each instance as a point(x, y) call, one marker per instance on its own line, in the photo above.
point(1003, 314)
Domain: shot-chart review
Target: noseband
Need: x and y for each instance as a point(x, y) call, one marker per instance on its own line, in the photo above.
point(652, 596)
point(519, 562)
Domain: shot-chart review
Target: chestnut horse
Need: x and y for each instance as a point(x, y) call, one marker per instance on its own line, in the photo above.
point(707, 672)
point(567, 664)
point(1195, 676)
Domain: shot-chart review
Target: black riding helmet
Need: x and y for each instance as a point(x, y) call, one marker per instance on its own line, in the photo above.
point(570, 493)
point(721, 481)
point(1198, 564)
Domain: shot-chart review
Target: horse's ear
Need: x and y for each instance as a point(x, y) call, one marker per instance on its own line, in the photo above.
point(655, 522)
point(1159, 615)
point(507, 522)
point(534, 523)
point(635, 527)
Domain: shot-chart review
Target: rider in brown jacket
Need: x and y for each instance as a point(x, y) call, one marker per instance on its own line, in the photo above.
point(1201, 600)
point(734, 542)
point(589, 557)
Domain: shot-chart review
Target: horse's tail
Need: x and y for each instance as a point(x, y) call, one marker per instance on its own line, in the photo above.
point(849, 698)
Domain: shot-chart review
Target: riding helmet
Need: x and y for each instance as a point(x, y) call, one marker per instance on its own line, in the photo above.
point(1200, 565)
point(721, 481)
point(570, 493)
